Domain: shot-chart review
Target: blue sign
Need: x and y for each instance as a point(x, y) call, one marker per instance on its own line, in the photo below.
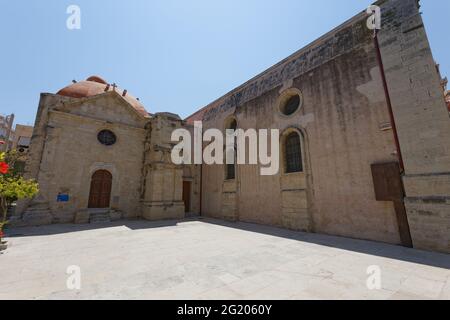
point(63, 197)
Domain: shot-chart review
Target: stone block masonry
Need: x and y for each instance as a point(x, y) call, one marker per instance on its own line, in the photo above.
point(422, 122)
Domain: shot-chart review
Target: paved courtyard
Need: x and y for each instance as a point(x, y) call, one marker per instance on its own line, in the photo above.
point(209, 259)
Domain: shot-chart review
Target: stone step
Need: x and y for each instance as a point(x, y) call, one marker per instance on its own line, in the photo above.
point(99, 211)
point(99, 220)
point(92, 221)
point(32, 217)
point(99, 216)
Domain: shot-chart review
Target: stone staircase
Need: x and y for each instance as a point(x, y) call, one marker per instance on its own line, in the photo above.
point(37, 214)
point(99, 216)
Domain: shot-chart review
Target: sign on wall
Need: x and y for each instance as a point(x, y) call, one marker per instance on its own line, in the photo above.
point(62, 197)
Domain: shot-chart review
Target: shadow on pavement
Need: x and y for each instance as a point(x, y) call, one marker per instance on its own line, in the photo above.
point(434, 259)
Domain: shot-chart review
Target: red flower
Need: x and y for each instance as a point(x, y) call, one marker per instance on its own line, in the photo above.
point(4, 167)
point(2, 142)
point(1, 234)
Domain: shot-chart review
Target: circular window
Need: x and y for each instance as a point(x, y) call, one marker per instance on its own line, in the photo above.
point(291, 105)
point(107, 137)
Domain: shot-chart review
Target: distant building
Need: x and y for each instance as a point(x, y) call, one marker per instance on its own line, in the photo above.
point(6, 132)
point(18, 138)
point(22, 137)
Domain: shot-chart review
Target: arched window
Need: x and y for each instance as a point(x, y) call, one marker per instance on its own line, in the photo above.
point(230, 173)
point(293, 153)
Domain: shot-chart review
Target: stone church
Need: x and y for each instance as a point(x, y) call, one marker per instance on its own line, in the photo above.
point(365, 144)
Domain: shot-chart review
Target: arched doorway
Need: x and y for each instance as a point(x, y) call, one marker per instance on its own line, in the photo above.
point(100, 194)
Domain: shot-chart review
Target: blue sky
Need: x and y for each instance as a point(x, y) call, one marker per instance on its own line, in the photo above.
point(175, 55)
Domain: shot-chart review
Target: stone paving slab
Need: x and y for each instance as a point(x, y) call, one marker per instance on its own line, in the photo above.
point(210, 259)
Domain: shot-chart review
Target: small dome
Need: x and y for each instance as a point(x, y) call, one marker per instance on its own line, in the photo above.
point(96, 85)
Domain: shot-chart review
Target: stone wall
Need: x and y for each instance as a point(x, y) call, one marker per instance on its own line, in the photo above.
point(344, 123)
point(422, 121)
point(346, 127)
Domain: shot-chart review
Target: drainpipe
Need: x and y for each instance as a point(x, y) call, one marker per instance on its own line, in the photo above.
point(388, 101)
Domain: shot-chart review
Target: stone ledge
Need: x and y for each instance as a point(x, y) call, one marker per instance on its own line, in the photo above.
point(163, 211)
point(427, 185)
point(428, 200)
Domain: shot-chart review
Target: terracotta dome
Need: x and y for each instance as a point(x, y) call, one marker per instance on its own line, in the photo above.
point(95, 85)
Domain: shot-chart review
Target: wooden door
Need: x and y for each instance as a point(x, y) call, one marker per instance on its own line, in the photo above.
point(100, 194)
point(187, 196)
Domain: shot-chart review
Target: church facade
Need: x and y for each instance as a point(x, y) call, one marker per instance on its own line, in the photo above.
point(98, 155)
point(364, 145)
